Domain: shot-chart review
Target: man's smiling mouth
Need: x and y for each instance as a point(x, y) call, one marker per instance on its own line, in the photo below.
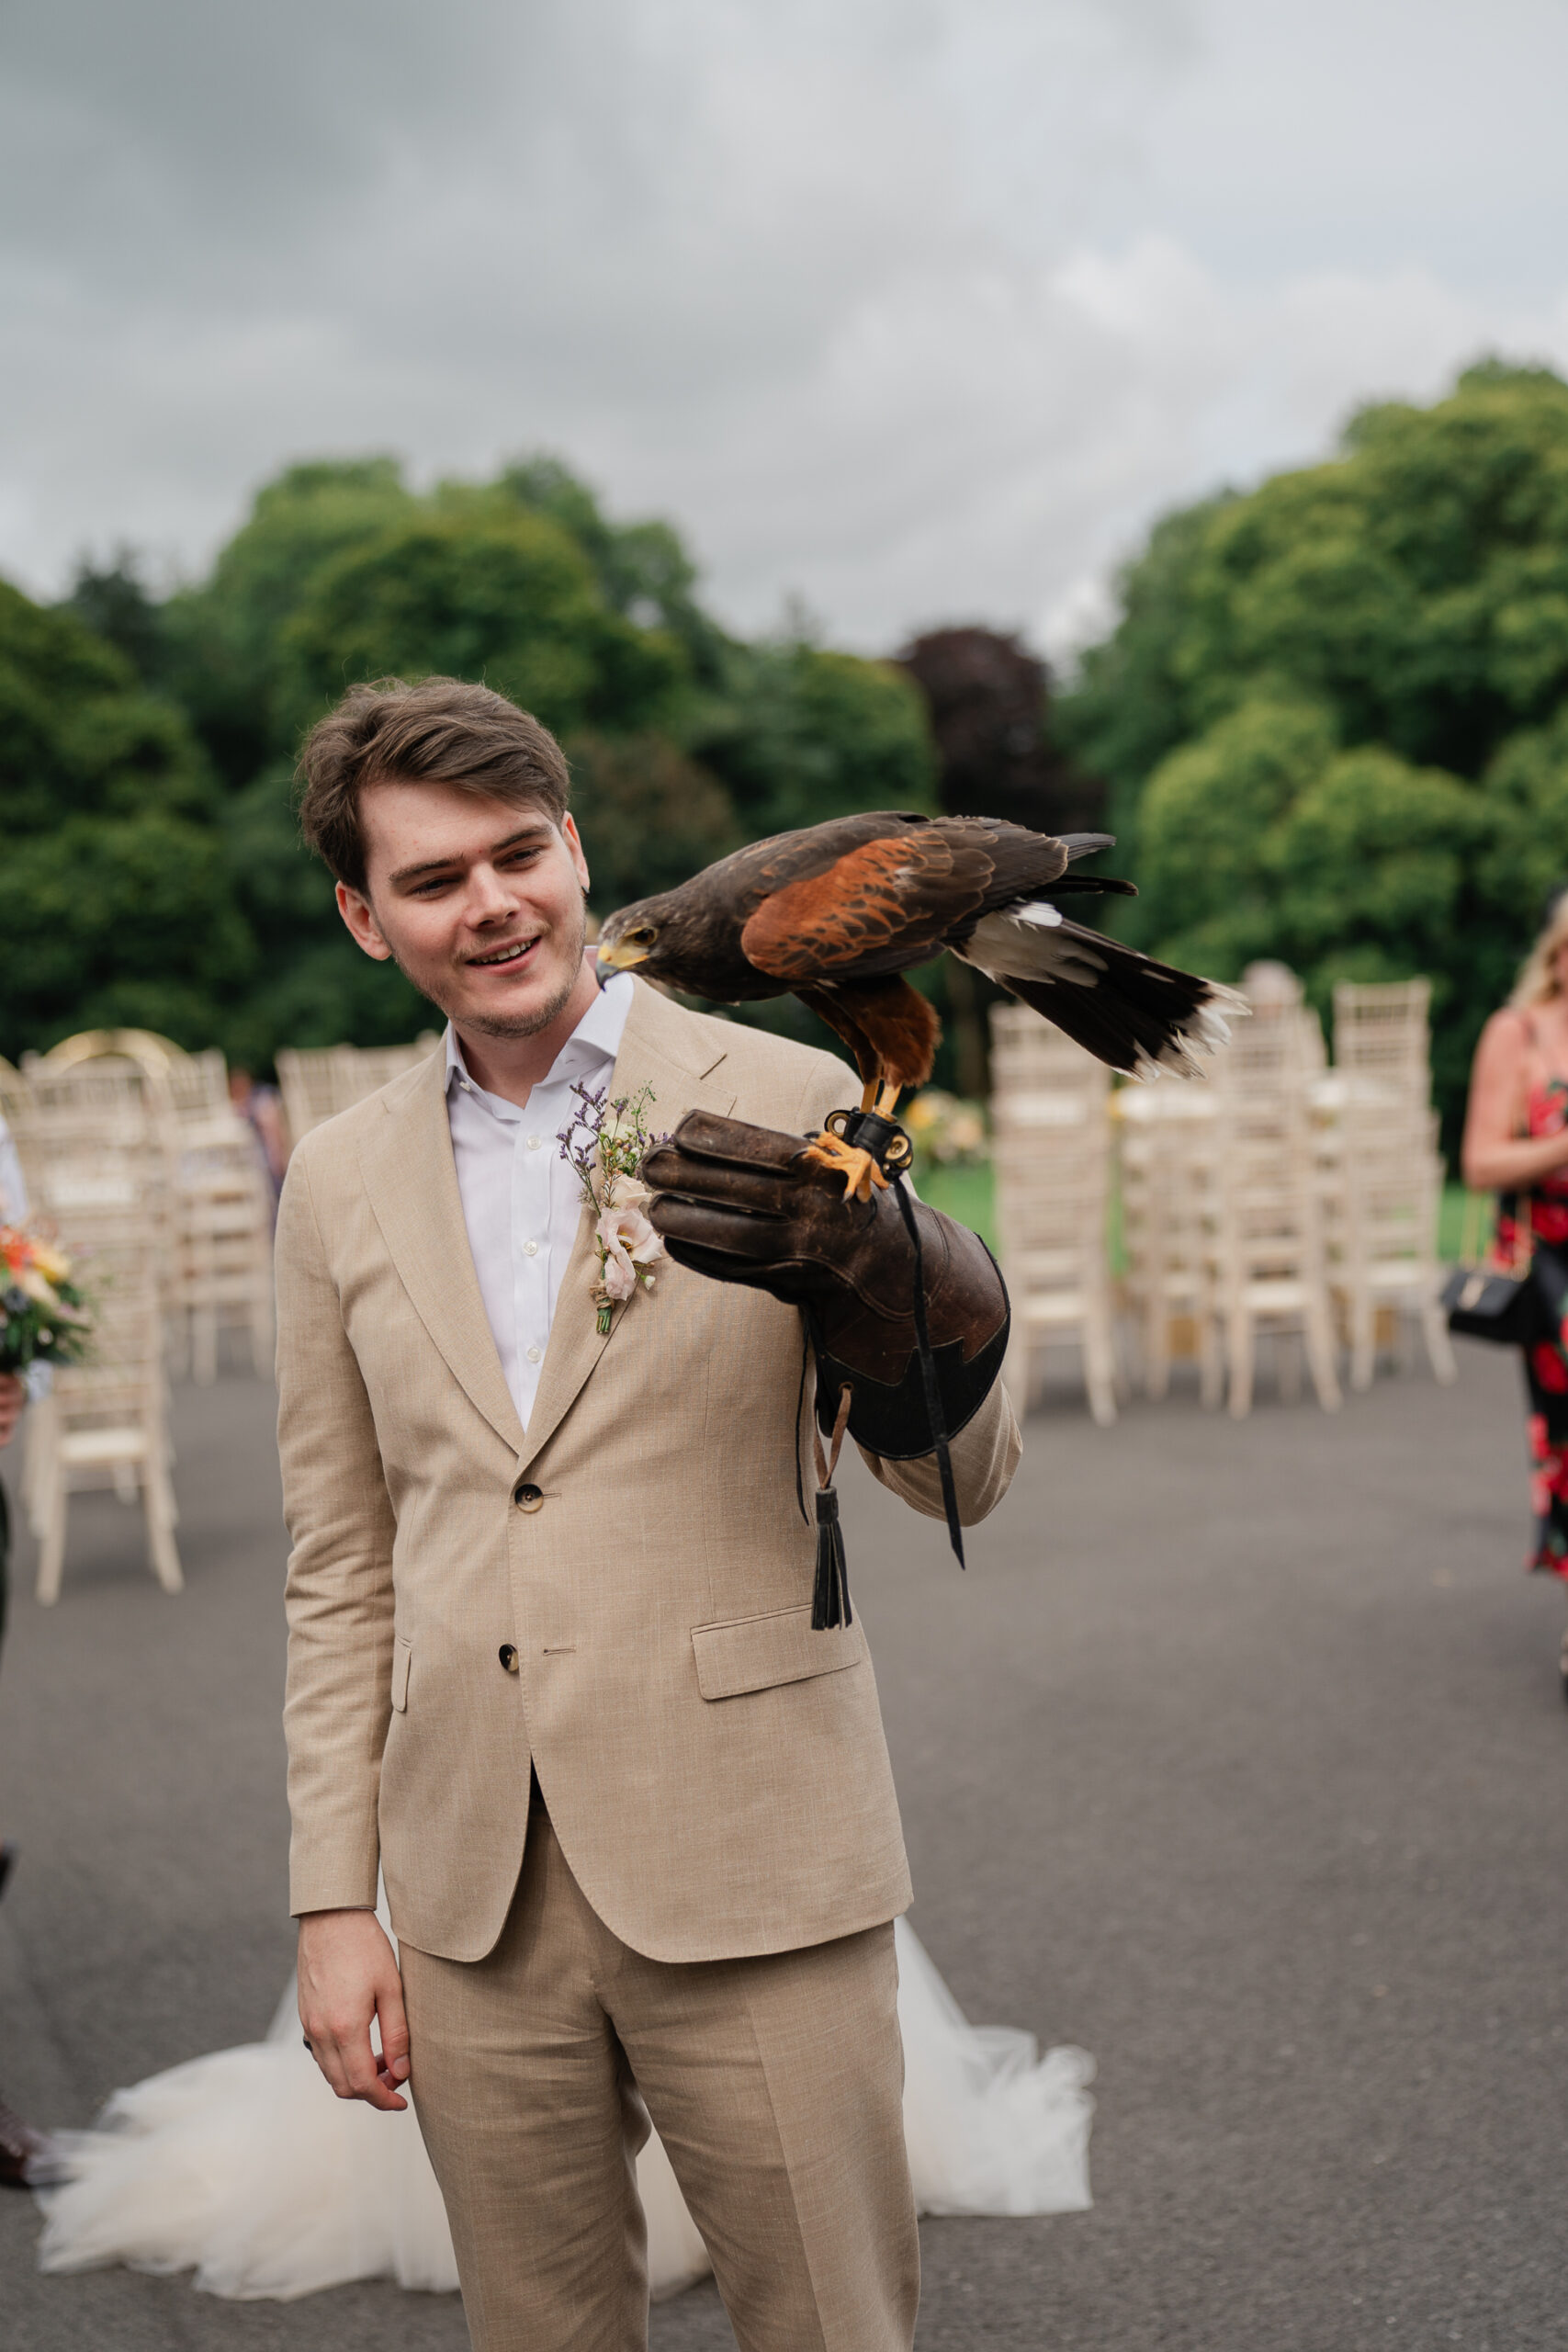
point(510, 954)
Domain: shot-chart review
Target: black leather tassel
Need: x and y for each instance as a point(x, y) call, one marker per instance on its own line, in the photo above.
point(830, 1593)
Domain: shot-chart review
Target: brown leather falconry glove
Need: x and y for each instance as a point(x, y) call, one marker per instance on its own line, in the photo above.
point(745, 1205)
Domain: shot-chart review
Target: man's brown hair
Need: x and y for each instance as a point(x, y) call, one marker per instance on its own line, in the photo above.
point(443, 730)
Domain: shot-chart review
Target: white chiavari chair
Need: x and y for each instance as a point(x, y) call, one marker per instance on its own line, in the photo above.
point(1052, 1158)
point(317, 1082)
point(105, 1423)
point(1268, 1247)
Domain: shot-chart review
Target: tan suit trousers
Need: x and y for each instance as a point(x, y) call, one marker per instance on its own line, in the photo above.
point(775, 2084)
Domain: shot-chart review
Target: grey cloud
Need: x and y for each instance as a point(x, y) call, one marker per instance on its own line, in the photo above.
point(919, 307)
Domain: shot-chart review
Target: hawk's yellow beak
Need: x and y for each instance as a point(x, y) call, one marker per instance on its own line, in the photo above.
point(619, 958)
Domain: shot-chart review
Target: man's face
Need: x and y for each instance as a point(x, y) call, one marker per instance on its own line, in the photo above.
point(480, 902)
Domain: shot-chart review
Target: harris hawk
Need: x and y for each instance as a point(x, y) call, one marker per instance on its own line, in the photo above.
point(836, 913)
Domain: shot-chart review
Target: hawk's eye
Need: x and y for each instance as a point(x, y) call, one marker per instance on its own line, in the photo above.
point(642, 935)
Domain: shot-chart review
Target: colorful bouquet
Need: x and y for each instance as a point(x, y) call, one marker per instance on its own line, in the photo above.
point(606, 1143)
point(43, 1314)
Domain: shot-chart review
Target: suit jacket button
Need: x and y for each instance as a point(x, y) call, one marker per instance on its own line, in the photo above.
point(527, 1498)
point(508, 1656)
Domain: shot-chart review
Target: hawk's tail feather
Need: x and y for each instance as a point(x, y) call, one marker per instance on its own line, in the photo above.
point(1138, 1015)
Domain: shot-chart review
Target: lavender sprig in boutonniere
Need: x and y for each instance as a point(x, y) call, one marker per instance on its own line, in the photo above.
point(606, 1143)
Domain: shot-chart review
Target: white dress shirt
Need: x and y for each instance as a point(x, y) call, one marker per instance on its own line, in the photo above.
point(522, 1202)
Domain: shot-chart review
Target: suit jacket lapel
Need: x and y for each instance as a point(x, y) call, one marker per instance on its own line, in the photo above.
point(662, 1047)
point(411, 1181)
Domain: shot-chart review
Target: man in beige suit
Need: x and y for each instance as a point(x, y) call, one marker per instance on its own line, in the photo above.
point(551, 1662)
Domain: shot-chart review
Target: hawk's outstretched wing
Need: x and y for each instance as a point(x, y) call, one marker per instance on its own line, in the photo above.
point(878, 907)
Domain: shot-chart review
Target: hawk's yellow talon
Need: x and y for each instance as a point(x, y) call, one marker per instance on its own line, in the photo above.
point(858, 1169)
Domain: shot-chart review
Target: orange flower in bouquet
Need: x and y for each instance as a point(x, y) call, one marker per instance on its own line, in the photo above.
point(44, 1316)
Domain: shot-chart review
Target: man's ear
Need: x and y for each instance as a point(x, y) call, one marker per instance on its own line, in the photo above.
point(573, 841)
point(360, 916)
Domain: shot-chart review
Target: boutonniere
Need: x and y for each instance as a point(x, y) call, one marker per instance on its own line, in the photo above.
point(606, 1143)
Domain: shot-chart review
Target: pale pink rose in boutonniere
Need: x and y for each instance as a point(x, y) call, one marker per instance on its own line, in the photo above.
point(606, 1143)
point(626, 1192)
point(630, 1245)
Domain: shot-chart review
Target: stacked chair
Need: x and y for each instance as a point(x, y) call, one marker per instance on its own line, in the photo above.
point(106, 1421)
point(1168, 1171)
point(1384, 1178)
point(156, 1186)
point(1383, 1033)
point(1052, 1153)
point(87, 1132)
point(214, 1196)
point(317, 1082)
point(1274, 1204)
point(221, 1195)
point(1221, 1224)
point(1268, 1253)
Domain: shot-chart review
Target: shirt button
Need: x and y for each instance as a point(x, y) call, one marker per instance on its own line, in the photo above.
point(532, 1355)
point(508, 1657)
point(530, 1249)
point(528, 1498)
point(534, 1142)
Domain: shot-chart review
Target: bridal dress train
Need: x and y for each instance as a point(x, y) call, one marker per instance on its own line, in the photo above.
point(244, 2167)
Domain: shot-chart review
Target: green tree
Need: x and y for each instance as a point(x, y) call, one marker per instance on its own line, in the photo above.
point(1330, 712)
point(650, 816)
point(114, 601)
point(1210, 893)
point(642, 568)
point(225, 637)
point(211, 920)
point(472, 588)
point(114, 905)
point(799, 735)
point(1417, 584)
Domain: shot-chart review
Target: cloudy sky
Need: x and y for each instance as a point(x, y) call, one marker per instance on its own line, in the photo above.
point(915, 310)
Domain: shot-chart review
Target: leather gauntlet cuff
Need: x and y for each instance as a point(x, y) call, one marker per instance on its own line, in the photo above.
point(890, 1418)
point(907, 1311)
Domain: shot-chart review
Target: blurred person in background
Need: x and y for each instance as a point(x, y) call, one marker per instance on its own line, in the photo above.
point(261, 1107)
point(1516, 1145)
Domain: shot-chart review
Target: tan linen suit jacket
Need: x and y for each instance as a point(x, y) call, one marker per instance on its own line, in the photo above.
point(716, 1771)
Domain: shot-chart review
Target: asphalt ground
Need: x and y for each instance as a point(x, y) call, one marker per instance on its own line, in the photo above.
point(1239, 1757)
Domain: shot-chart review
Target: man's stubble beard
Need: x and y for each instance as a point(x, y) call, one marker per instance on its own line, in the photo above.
point(527, 1025)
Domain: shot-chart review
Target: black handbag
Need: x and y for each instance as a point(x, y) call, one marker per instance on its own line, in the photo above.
point(1512, 1306)
point(1483, 1304)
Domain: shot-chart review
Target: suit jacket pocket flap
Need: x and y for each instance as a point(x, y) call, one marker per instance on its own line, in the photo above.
point(755, 1652)
point(402, 1651)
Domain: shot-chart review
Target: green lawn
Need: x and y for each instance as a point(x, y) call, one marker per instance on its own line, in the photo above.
point(968, 1194)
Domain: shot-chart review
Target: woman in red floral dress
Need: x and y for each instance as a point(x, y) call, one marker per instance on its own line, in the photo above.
point(1516, 1143)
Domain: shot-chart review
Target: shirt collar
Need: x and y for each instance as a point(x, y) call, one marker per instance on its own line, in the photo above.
point(592, 1046)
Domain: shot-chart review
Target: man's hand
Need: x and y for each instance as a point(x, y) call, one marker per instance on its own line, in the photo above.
point(348, 1975)
point(13, 1396)
point(748, 1204)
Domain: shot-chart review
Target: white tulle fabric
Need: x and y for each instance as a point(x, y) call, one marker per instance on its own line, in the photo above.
point(244, 2167)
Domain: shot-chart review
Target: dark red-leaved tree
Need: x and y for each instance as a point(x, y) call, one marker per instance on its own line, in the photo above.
point(989, 704)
